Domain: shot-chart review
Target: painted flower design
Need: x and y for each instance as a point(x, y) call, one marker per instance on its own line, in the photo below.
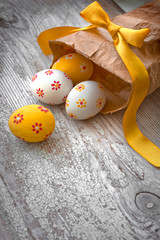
point(49, 72)
point(66, 76)
point(80, 87)
point(64, 98)
point(34, 78)
point(40, 92)
point(47, 135)
point(43, 109)
point(72, 115)
point(21, 138)
point(83, 67)
point(67, 103)
point(81, 103)
point(37, 127)
point(18, 118)
point(56, 85)
point(99, 102)
point(70, 56)
point(100, 87)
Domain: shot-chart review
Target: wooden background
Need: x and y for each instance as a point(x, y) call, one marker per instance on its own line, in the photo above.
point(84, 182)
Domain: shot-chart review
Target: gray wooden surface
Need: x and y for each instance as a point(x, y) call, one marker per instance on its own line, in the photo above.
point(84, 182)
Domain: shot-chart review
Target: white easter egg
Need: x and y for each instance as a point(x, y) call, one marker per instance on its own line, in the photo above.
point(85, 100)
point(51, 86)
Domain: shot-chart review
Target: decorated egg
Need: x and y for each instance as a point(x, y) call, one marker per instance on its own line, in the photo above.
point(32, 123)
point(85, 100)
point(77, 67)
point(51, 86)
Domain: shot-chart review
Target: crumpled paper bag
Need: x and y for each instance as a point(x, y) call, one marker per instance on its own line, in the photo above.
point(97, 45)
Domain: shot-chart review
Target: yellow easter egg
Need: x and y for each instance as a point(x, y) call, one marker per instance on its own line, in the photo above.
point(76, 66)
point(32, 123)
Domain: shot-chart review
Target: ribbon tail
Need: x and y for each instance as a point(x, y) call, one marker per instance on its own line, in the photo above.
point(140, 78)
point(134, 37)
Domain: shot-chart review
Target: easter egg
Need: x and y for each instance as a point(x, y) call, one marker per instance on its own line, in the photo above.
point(32, 123)
point(51, 86)
point(77, 67)
point(85, 100)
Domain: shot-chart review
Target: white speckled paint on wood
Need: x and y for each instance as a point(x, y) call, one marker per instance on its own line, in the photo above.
point(84, 182)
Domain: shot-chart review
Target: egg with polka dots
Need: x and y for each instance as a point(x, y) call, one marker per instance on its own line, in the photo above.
point(32, 123)
point(85, 100)
point(76, 66)
point(51, 86)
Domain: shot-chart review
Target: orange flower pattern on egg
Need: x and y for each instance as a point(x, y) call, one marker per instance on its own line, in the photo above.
point(72, 115)
point(81, 103)
point(80, 87)
point(101, 87)
point(85, 100)
point(67, 103)
point(99, 102)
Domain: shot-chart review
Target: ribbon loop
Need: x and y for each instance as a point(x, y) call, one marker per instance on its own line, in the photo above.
point(134, 37)
point(95, 15)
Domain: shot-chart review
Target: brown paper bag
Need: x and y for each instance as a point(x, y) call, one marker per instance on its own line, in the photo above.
point(109, 69)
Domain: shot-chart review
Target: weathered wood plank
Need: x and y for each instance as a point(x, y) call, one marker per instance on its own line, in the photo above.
point(84, 182)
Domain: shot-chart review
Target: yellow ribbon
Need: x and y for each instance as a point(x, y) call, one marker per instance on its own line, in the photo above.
point(95, 15)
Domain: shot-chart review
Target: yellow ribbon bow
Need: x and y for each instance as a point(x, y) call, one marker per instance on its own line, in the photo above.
point(95, 15)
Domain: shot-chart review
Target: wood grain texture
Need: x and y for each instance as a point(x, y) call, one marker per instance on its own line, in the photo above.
point(84, 182)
